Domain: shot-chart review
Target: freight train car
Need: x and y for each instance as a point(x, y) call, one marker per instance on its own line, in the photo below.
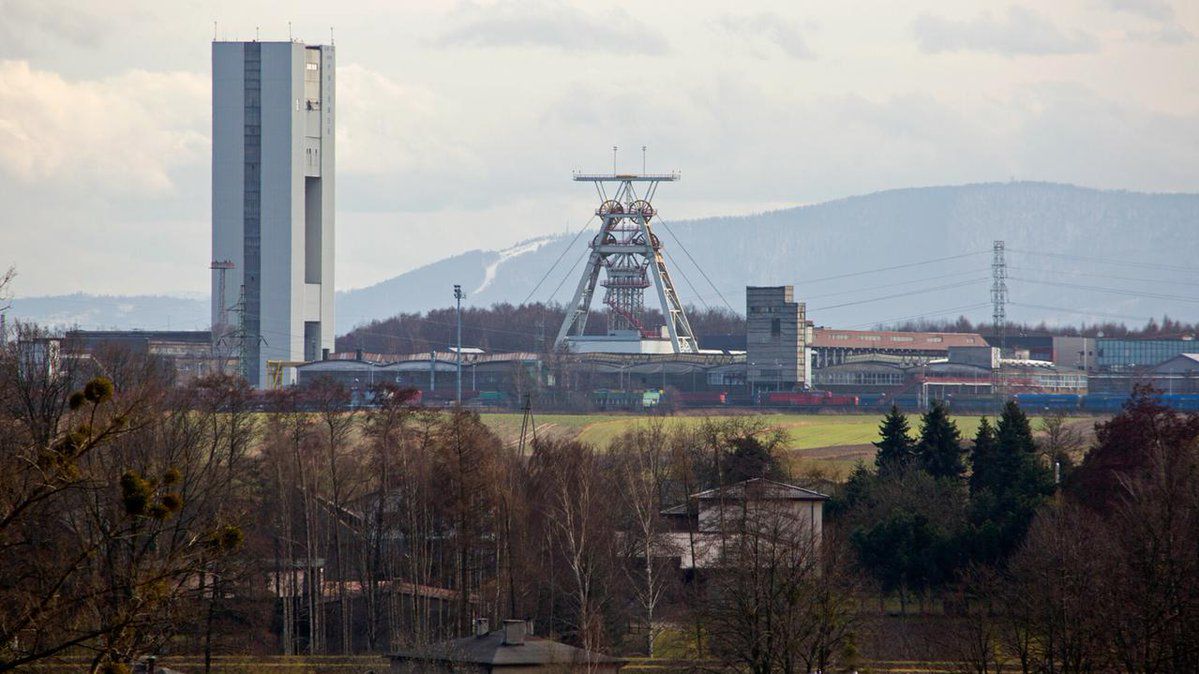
point(606, 399)
point(700, 398)
point(1064, 402)
point(807, 399)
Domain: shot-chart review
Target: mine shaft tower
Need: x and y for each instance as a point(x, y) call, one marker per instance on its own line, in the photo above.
point(630, 254)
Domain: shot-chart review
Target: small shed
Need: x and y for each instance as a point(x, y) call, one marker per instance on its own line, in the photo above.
point(511, 650)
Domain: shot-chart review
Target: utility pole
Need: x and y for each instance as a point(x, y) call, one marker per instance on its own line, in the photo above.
point(458, 313)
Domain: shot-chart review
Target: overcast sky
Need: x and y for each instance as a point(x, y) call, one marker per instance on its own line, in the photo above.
point(459, 123)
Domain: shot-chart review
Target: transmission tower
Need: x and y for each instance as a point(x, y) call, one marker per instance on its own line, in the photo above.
point(999, 293)
point(231, 342)
point(630, 255)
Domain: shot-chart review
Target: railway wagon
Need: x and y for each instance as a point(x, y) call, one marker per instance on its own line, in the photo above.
point(1049, 401)
point(701, 398)
point(807, 399)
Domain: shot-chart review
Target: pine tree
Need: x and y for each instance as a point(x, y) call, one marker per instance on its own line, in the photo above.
point(1009, 483)
point(1014, 432)
point(982, 455)
point(939, 450)
point(894, 445)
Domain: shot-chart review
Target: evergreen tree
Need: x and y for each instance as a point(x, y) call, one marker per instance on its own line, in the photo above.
point(1014, 432)
point(982, 455)
point(750, 458)
point(894, 445)
point(939, 450)
point(1008, 484)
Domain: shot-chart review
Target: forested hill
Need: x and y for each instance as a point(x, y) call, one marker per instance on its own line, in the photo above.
point(1074, 254)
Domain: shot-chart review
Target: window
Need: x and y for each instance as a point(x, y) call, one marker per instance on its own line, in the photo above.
point(776, 327)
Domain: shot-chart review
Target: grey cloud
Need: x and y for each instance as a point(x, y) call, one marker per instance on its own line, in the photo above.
point(1152, 9)
point(771, 28)
point(535, 23)
point(29, 24)
point(1019, 31)
point(1171, 34)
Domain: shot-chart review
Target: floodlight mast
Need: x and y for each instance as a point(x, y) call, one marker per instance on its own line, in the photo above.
point(631, 255)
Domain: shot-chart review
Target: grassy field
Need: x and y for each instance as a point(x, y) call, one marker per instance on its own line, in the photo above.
point(831, 442)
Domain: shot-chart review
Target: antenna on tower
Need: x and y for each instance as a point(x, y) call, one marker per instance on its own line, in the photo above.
point(256, 29)
point(289, 37)
point(643, 159)
point(330, 36)
point(613, 160)
point(999, 293)
point(214, 31)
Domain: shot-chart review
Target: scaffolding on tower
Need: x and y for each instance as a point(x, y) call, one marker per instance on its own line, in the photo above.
point(630, 255)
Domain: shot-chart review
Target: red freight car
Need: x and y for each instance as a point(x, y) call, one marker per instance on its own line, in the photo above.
point(701, 398)
point(808, 399)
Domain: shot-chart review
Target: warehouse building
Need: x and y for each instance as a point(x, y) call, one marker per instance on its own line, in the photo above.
point(834, 347)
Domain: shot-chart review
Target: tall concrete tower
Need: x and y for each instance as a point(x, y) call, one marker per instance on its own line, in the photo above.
point(272, 199)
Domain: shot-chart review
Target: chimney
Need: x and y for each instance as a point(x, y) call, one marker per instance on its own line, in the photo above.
point(514, 632)
point(324, 354)
point(482, 628)
point(358, 354)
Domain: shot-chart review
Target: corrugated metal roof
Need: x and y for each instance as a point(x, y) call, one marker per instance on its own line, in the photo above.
point(879, 339)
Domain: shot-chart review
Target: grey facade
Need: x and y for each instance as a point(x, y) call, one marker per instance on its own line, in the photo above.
point(273, 199)
point(776, 340)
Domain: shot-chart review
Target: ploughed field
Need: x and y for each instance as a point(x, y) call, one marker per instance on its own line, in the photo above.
point(830, 442)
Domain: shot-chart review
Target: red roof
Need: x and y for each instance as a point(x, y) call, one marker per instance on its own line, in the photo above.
point(883, 340)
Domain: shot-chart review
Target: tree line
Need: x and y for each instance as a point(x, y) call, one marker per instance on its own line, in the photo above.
point(1046, 563)
point(533, 327)
point(140, 518)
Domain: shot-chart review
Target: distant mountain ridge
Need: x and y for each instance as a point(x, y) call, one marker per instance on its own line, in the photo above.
point(1061, 243)
point(825, 249)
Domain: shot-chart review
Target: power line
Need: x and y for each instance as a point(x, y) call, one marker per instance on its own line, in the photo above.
point(555, 264)
point(1114, 291)
point(903, 294)
point(877, 270)
point(938, 312)
point(690, 285)
point(701, 269)
point(1124, 263)
point(1106, 276)
point(1081, 312)
point(938, 277)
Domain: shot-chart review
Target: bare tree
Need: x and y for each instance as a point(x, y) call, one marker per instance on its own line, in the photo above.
point(572, 495)
point(114, 505)
point(775, 605)
point(337, 420)
point(640, 462)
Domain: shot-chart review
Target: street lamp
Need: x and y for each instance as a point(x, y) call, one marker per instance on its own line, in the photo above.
point(458, 314)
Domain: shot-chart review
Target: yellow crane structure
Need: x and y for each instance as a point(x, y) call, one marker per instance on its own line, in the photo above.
point(275, 369)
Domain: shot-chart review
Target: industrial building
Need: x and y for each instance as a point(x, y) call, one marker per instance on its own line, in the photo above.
point(273, 120)
point(777, 334)
point(834, 347)
point(1179, 375)
point(188, 353)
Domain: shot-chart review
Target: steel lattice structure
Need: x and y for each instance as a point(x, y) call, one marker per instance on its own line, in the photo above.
point(631, 257)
